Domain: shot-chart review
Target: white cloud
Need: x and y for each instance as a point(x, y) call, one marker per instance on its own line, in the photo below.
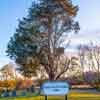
point(83, 38)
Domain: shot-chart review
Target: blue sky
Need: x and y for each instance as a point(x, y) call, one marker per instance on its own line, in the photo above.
point(12, 10)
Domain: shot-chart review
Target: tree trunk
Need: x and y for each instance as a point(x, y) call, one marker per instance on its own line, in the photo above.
point(50, 53)
point(98, 74)
point(51, 76)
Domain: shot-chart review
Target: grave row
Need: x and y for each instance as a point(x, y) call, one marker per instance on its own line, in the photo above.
point(14, 93)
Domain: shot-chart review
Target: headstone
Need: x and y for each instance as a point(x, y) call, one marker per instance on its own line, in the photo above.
point(23, 93)
point(32, 89)
point(6, 93)
point(28, 89)
point(14, 93)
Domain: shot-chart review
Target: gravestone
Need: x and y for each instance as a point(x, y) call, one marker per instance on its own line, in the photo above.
point(32, 89)
point(23, 93)
point(6, 93)
point(14, 94)
point(28, 89)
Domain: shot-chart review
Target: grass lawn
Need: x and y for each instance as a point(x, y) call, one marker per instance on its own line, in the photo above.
point(71, 96)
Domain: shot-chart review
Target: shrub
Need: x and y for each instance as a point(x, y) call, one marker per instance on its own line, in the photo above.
point(23, 84)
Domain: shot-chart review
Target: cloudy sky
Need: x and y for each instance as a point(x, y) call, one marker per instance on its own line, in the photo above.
point(12, 10)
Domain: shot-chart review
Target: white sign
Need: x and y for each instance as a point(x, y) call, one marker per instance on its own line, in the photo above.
point(55, 88)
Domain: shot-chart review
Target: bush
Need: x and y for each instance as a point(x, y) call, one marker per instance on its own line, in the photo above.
point(23, 84)
point(7, 84)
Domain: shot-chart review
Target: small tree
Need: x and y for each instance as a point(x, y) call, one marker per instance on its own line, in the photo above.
point(90, 58)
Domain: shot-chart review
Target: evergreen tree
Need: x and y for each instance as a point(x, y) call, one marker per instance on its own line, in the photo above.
point(40, 34)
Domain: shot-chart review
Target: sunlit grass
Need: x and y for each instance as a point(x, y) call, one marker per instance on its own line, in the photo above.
point(71, 96)
point(84, 95)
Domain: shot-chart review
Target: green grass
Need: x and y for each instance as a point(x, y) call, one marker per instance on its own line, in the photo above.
point(71, 96)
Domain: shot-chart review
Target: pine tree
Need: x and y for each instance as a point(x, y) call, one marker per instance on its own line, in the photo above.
point(42, 33)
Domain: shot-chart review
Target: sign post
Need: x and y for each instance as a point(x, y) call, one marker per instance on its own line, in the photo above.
point(54, 88)
point(65, 97)
point(46, 97)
